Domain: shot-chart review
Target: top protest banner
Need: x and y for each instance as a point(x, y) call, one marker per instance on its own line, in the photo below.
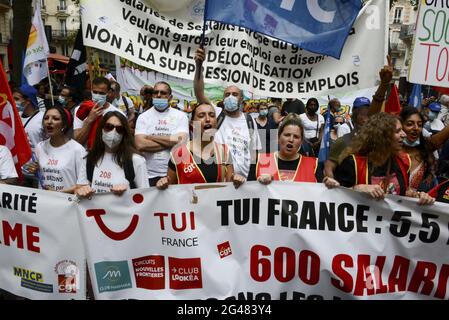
point(430, 54)
point(165, 40)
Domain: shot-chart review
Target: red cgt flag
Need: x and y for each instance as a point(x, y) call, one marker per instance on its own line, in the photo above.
point(393, 105)
point(12, 134)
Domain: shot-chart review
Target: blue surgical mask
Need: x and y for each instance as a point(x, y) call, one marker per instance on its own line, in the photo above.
point(263, 113)
point(231, 103)
point(62, 100)
point(116, 103)
point(99, 98)
point(411, 144)
point(20, 106)
point(432, 115)
point(161, 104)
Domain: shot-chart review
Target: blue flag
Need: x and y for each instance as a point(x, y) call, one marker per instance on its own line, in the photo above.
point(319, 26)
point(323, 155)
point(416, 97)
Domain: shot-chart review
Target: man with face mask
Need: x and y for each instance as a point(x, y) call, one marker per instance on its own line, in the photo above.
point(31, 116)
point(234, 128)
point(66, 99)
point(90, 112)
point(158, 130)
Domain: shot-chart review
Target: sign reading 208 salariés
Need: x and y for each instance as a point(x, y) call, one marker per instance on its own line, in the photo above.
point(284, 241)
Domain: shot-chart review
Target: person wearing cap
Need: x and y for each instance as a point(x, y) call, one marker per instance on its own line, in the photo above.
point(433, 125)
point(360, 114)
point(359, 117)
point(59, 159)
point(31, 116)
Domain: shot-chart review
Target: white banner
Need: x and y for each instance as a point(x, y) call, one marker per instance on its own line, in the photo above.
point(430, 61)
point(132, 79)
point(166, 40)
point(35, 64)
point(284, 241)
point(41, 250)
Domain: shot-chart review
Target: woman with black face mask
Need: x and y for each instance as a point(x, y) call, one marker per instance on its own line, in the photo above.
point(313, 124)
point(112, 164)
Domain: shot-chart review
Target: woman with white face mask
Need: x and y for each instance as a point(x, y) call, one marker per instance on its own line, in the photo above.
point(113, 164)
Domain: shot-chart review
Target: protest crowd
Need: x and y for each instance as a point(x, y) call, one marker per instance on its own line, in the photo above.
point(95, 139)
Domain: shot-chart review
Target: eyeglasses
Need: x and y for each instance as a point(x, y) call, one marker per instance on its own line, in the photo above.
point(109, 127)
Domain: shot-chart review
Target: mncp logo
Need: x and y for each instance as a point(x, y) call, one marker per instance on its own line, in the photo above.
point(112, 275)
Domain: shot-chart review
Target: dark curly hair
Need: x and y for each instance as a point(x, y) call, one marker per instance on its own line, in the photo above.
point(425, 147)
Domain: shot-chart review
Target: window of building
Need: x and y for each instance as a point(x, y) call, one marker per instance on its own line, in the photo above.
point(63, 26)
point(398, 15)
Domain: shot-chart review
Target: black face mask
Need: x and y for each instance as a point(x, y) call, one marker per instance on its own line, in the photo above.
point(311, 110)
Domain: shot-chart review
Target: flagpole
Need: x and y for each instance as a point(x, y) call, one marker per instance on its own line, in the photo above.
point(49, 83)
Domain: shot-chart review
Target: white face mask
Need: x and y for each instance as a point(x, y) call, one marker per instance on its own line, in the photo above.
point(112, 138)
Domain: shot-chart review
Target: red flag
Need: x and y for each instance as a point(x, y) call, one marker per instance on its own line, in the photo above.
point(441, 90)
point(12, 134)
point(393, 105)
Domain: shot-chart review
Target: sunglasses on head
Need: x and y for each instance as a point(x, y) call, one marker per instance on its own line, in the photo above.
point(109, 127)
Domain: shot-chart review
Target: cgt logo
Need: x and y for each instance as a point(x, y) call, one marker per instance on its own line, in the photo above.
point(224, 249)
point(112, 275)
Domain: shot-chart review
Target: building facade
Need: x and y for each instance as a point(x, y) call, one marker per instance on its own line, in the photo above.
point(402, 28)
point(5, 31)
point(61, 19)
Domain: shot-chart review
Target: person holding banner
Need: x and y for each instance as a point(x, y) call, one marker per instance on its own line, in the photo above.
point(58, 159)
point(201, 160)
point(420, 149)
point(288, 164)
point(375, 164)
point(113, 164)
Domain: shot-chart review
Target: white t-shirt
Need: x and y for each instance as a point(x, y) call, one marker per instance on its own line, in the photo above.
point(108, 173)
point(61, 166)
point(7, 168)
point(122, 107)
point(78, 123)
point(345, 128)
point(310, 127)
point(167, 123)
point(34, 129)
point(234, 132)
point(436, 125)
